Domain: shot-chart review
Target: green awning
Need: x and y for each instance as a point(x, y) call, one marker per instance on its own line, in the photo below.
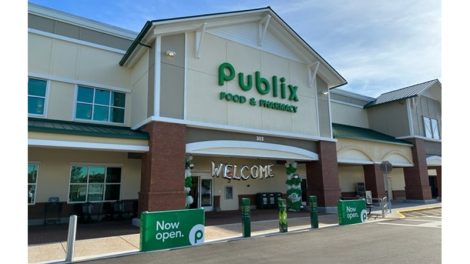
point(83, 129)
point(359, 133)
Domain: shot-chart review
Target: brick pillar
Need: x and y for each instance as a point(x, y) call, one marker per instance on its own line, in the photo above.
point(322, 175)
point(439, 181)
point(374, 180)
point(162, 176)
point(416, 177)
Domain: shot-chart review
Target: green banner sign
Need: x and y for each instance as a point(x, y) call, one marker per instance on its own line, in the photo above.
point(352, 211)
point(170, 229)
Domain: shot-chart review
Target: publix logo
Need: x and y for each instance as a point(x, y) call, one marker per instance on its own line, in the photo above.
point(170, 231)
point(196, 235)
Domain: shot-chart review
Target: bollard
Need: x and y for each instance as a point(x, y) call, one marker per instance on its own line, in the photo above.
point(246, 218)
point(282, 215)
point(71, 238)
point(313, 211)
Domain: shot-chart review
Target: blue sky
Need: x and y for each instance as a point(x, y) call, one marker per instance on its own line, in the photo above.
point(377, 45)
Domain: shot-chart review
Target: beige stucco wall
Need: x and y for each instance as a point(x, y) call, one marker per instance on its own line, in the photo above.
point(375, 151)
point(398, 179)
point(72, 63)
point(203, 102)
point(55, 165)
point(349, 175)
point(390, 118)
point(349, 115)
point(202, 168)
point(139, 84)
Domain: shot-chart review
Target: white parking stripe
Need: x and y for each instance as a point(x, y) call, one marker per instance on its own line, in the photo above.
point(431, 225)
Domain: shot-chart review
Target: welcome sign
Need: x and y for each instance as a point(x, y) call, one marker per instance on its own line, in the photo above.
point(170, 229)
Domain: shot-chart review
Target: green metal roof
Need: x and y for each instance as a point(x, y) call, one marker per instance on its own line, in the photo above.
point(83, 129)
point(352, 132)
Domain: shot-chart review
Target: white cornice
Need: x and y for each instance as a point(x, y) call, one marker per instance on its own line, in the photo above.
point(204, 125)
point(249, 149)
point(86, 145)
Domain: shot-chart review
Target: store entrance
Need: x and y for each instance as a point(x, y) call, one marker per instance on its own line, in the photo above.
point(433, 185)
point(201, 191)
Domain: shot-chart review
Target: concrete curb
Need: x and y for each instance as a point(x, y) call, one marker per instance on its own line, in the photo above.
point(400, 212)
point(236, 238)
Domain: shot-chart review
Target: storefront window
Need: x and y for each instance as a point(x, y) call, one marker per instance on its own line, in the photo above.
point(32, 182)
point(206, 192)
point(228, 192)
point(100, 105)
point(94, 183)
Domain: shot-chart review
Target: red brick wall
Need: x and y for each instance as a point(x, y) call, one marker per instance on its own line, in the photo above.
point(322, 175)
point(374, 180)
point(416, 177)
point(162, 178)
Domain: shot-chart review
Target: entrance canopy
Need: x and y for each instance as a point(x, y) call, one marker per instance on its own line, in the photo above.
point(433, 161)
point(234, 148)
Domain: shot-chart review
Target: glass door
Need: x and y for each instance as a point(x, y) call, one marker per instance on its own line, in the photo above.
point(206, 194)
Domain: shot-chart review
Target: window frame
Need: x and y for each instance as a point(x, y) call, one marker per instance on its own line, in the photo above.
point(46, 97)
point(227, 192)
point(93, 104)
point(106, 166)
point(433, 124)
point(36, 183)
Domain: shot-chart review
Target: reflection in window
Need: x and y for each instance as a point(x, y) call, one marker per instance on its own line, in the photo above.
point(32, 182)
point(228, 192)
point(100, 105)
point(431, 128)
point(94, 183)
point(36, 96)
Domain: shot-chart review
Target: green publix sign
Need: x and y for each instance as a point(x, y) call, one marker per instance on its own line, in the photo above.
point(351, 211)
point(170, 229)
point(276, 86)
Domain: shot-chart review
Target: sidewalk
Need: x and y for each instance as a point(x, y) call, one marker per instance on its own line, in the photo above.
point(129, 241)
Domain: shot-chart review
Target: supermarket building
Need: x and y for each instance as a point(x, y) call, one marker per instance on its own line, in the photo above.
point(114, 116)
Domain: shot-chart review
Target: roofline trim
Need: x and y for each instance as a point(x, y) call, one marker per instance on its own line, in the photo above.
point(376, 140)
point(292, 32)
point(80, 21)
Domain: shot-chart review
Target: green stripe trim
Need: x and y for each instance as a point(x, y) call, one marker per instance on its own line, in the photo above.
point(352, 132)
point(83, 129)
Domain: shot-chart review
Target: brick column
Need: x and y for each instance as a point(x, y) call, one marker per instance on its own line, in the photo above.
point(416, 177)
point(322, 175)
point(374, 180)
point(162, 176)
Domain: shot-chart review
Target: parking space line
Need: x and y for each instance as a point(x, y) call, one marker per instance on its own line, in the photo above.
point(422, 225)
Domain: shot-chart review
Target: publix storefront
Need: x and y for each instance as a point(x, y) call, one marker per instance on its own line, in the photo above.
point(243, 101)
point(190, 112)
